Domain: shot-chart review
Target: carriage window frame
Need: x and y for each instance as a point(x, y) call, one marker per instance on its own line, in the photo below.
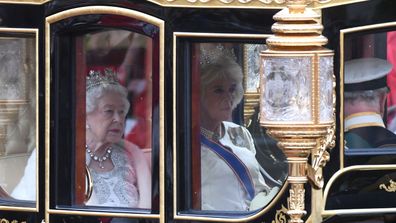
point(182, 139)
point(52, 209)
point(342, 169)
point(363, 30)
point(33, 33)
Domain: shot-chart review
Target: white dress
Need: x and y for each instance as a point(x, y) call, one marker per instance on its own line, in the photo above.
point(220, 187)
point(118, 187)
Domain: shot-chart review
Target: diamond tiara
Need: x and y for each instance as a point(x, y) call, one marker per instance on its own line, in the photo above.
point(96, 78)
point(213, 53)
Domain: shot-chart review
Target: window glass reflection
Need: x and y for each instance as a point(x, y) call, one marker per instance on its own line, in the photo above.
point(18, 149)
point(231, 176)
point(369, 99)
point(118, 119)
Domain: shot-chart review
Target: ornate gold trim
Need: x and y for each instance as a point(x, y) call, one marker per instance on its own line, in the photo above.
point(259, 4)
point(176, 215)
point(359, 211)
point(33, 2)
point(343, 32)
point(340, 172)
point(35, 32)
point(127, 13)
point(21, 209)
point(390, 188)
point(320, 157)
point(102, 214)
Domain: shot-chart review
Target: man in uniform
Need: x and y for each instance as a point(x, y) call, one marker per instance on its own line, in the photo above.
point(365, 91)
point(368, 141)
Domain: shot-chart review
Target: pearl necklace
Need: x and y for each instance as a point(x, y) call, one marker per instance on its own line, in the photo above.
point(99, 159)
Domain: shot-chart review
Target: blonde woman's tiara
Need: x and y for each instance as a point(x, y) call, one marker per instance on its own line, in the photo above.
point(212, 53)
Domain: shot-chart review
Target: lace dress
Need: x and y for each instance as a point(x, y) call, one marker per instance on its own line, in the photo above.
point(118, 187)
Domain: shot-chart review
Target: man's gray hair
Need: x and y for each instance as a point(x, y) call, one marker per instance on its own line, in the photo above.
point(370, 96)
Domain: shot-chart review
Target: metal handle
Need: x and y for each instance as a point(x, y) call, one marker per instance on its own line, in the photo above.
point(89, 184)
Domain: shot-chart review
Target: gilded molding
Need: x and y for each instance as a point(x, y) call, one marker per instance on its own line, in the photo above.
point(33, 2)
point(337, 175)
point(390, 188)
point(262, 4)
point(3, 220)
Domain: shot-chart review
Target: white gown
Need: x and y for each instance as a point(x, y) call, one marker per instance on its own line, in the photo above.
point(118, 187)
point(220, 187)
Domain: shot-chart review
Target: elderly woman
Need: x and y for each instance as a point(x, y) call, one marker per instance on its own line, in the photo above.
point(120, 172)
point(230, 173)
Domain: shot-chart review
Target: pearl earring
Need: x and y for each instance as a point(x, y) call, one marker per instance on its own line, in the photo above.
point(87, 126)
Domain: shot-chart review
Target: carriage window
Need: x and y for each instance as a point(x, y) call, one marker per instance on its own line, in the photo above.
point(370, 98)
point(118, 118)
point(240, 168)
point(18, 121)
point(105, 82)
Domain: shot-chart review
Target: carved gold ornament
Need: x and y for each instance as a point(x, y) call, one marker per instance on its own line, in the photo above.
point(280, 216)
point(390, 188)
point(320, 157)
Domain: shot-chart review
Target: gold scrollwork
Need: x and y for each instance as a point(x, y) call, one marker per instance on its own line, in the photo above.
point(320, 157)
point(281, 215)
point(390, 188)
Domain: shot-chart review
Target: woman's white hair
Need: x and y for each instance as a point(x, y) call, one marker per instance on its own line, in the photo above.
point(223, 68)
point(95, 93)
